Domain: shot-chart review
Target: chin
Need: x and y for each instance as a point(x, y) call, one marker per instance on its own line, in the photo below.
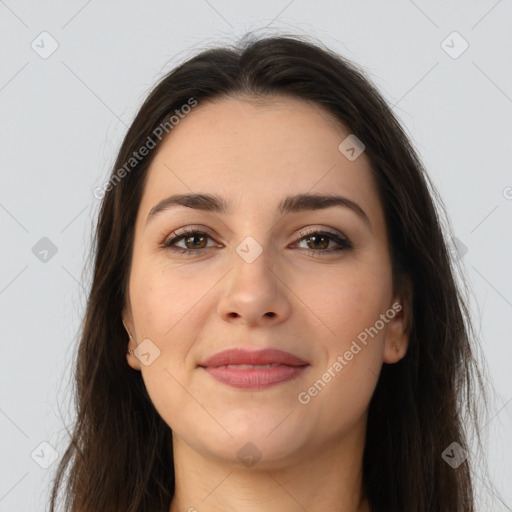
point(257, 448)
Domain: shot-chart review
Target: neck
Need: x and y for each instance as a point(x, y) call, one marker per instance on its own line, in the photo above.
point(328, 480)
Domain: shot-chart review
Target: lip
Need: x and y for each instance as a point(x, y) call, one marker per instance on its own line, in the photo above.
point(243, 356)
point(284, 367)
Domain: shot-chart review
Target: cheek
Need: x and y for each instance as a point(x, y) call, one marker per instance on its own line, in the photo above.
point(162, 300)
point(350, 306)
point(166, 312)
point(340, 388)
point(347, 302)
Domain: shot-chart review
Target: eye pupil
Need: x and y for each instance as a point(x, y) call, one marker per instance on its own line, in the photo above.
point(194, 237)
point(316, 238)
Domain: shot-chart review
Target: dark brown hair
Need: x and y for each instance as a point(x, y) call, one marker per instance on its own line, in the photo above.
point(120, 453)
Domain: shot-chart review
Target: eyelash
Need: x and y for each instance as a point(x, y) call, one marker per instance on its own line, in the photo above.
point(344, 243)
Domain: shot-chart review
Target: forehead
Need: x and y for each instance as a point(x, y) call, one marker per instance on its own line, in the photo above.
point(254, 152)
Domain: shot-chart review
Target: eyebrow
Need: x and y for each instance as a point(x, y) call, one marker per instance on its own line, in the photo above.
point(290, 204)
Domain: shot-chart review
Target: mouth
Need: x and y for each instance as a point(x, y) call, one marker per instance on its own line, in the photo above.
point(254, 369)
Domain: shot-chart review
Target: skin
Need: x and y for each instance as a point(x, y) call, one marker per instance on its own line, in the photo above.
point(311, 454)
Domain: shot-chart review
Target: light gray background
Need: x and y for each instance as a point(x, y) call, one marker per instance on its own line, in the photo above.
point(63, 119)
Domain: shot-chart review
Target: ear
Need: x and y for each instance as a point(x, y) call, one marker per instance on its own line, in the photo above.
point(132, 360)
point(397, 334)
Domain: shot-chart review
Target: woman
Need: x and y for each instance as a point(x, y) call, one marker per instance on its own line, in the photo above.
point(293, 335)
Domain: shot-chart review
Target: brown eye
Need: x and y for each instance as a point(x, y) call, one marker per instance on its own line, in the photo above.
point(196, 241)
point(318, 242)
point(193, 241)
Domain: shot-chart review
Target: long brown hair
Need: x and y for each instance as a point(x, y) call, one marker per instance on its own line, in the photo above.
point(120, 453)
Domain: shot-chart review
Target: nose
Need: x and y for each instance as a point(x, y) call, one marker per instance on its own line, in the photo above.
point(255, 292)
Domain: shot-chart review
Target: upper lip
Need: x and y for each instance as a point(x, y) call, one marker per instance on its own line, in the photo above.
point(255, 357)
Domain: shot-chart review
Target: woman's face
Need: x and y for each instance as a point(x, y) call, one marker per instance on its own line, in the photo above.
point(257, 277)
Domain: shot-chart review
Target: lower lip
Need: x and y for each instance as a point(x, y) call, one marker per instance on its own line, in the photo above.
point(257, 378)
